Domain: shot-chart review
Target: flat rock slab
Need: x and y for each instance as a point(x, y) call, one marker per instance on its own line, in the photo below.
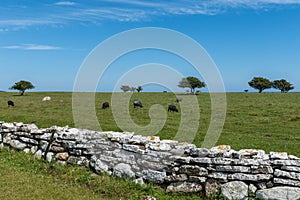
point(279, 193)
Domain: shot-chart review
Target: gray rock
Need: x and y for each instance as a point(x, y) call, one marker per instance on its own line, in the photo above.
point(290, 168)
point(279, 155)
point(285, 174)
point(123, 170)
point(176, 178)
point(27, 150)
point(279, 193)
point(211, 187)
point(139, 181)
point(99, 166)
point(229, 168)
point(154, 176)
point(17, 144)
point(184, 187)
point(38, 154)
point(252, 188)
point(49, 156)
point(249, 177)
point(287, 182)
point(33, 149)
point(262, 169)
point(199, 152)
point(193, 170)
point(235, 190)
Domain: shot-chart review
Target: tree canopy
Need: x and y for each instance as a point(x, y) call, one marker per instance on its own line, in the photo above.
point(260, 83)
point(22, 86)
point(139, 88)
point(282, 85)
point(125, 88)
point(192, 83)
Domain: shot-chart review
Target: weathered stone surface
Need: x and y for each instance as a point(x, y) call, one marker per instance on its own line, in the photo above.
point(234, 190)
point(199, 152)
point(139, 181)
point(279, 193)
point(29, 141)
point(154, 176)
point(285, 174)
point(123, 170)
point(218, 175)
point(184, 187)
point(249, 177)
point(27, 150)
point(278, 155)
point(290, 168)
point(229, 168)
point(286, 162)
point(197, 179)
point(62, 156)
point(38, 154)
point(99, 166)
point(193, 170)
point(176, 178)
point(211, 187)
point(287, 182)
point(17, 144)
point(261, 169)
point(252, 188)
point(49, 156)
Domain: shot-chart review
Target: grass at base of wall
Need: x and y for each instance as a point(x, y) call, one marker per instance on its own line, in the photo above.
point(24, 177)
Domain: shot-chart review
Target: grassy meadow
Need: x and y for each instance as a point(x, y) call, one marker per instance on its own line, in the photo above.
point(268, 121)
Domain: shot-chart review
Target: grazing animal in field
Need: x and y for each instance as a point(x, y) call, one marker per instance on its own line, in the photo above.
point(172, 108)
point(245, 91)
point(10, 103)
point(47, 98)
point(178, 100)
point(137, 103)
point(105, 105)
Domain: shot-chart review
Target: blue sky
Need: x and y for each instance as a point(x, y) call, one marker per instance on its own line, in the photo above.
point(46, 42)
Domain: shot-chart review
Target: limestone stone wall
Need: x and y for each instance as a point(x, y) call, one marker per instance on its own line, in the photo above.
point(177, 167)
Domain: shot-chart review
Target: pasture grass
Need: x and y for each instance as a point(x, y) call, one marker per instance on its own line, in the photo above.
point(268, 121)
point(24, 177)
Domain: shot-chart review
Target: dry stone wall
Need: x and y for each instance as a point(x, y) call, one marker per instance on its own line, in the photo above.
point(177, 167)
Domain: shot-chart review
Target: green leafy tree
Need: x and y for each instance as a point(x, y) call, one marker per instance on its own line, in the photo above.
point(282, 85)
point(22, 86)
point(139, 88)
point(132, 89)
point(192, 83)
point(260, 83)
point(125, 88)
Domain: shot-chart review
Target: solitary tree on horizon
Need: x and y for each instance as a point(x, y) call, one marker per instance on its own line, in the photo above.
point(125, 88)
point(282, 85)
point(260, 83)
point(22, 86)
point(192, 83)
point(139, 88)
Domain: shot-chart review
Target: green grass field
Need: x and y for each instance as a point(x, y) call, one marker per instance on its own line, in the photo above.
point(268, 121)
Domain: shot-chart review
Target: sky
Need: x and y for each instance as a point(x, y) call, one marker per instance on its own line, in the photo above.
point(46, 42)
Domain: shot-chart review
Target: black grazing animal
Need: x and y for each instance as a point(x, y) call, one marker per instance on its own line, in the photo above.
point(172, 108)
point(178, 100)
point(10, 103)
point(105, 105)
point(137, 103)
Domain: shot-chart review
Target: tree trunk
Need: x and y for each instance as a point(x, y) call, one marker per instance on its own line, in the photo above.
point(22, 93)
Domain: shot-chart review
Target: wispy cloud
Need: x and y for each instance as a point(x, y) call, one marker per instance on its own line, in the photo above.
point(32, 47)
point(65, 3)
point(96, 11)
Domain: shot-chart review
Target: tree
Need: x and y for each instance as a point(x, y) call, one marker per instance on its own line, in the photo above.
point(139, 88)
point(125, 88)
point(192, 83)
point(282, 85)
point(260, 83)
point(22, 86)
point(132, 89)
